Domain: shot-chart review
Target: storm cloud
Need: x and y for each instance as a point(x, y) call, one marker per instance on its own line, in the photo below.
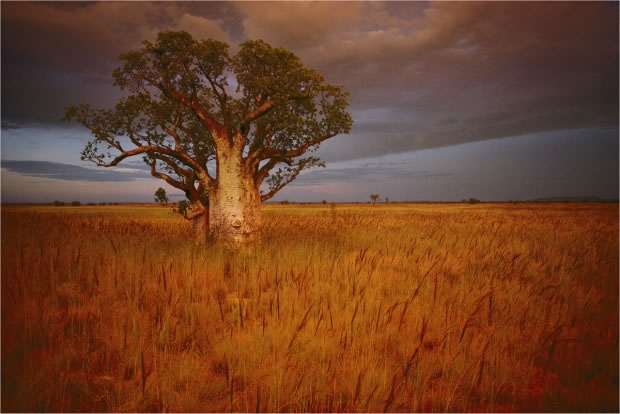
point(494, 69)
point(60, 171)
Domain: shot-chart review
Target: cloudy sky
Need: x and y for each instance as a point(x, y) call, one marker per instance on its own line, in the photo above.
point(497, 101)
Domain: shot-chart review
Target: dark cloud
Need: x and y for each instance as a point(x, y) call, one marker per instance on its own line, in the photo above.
point(58, 54)
point(6, 125)
point(367, 172)
point(88, 37)
point(421, 75)
point(502, 70)
point(59, 171)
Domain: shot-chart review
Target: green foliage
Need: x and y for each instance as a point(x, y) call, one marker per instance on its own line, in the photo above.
point(182, 208)
point(180, 108)
point(58, 203)
point(278, 179)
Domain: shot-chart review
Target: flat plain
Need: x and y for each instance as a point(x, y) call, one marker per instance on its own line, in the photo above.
point(391, 307)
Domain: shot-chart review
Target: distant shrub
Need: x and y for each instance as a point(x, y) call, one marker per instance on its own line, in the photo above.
point(91, 204)
point(76, 203)
point(284, 202)
point(102, 204)
point(324, 202)
point(472, 200)
point(58, 203)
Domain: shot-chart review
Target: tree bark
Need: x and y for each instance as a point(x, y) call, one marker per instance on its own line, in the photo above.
point(234, 206)
point(200, 227)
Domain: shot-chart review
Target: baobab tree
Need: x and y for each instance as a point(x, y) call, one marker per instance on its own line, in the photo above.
point(217, 126)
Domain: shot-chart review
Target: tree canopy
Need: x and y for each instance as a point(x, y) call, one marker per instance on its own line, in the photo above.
point(189, 103)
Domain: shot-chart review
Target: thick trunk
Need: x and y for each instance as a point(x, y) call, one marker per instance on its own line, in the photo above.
point(234, 206)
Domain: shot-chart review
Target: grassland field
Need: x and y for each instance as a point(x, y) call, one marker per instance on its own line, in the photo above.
point(351, 307)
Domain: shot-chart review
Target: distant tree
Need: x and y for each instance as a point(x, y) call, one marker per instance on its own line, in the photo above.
point(59, 203)
point(472, 200)
point(76, 203)
point(160, 196)
point(387, 200)
point(374, 198)
point(324, 202)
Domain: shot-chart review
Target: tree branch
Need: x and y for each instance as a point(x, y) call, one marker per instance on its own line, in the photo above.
point(181, 172)
point(270, 152)
point(263, 109)
point(284, 176)
point(261, 173)
point(166, 177)
point(217, 130)
point(173, 131)
point(187, 185)
point(274, 190)
point(179, 155)
point(195, 213)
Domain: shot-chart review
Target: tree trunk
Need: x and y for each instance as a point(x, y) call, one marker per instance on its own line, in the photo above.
point(200, 227)
point(234, 206)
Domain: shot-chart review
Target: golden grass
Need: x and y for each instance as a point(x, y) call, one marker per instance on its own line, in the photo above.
point(358, 308)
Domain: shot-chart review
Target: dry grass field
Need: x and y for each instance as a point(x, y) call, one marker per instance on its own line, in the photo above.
point(399, 307)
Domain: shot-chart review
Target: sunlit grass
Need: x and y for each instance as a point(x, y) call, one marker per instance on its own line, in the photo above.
point(392, 307)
